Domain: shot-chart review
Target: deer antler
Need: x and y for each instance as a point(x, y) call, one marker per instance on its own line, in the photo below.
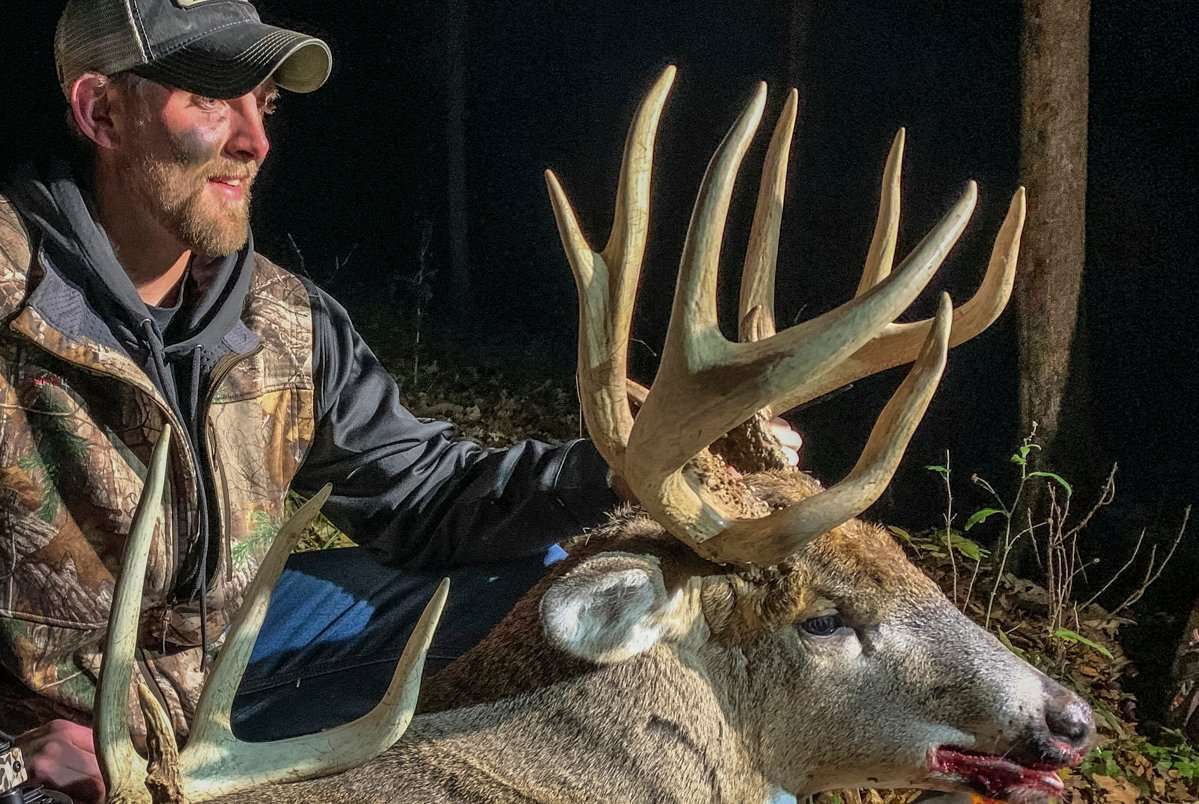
point(214, 762)
point(706, 385)
point(607, 282)
point(894, 344)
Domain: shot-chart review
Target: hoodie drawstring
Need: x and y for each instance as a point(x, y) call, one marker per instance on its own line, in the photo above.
point(165, 380)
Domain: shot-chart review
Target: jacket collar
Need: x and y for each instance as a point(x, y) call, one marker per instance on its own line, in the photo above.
point(84, 294)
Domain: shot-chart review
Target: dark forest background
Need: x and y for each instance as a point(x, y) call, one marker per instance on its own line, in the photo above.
point(355, 192)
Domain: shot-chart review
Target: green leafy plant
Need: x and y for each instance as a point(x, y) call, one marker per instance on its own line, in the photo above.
point(1077, 638)
point(1052, 531)
point(1175, 753)
point(1101, 760)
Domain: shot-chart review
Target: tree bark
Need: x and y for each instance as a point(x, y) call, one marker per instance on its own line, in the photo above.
point(1054, 55)
point(1182, 708)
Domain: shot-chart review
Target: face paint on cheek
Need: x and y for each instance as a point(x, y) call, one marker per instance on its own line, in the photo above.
point(195, 146)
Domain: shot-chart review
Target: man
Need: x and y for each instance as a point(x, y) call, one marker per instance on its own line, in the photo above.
point(133, 298)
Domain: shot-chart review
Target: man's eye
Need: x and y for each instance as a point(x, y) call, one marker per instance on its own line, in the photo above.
point(824, 625)
point(206, 103)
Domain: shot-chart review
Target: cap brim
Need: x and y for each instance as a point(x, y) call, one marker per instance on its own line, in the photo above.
point(239, 58)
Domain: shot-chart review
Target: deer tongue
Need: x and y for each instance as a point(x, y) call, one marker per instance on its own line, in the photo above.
point(994, 776)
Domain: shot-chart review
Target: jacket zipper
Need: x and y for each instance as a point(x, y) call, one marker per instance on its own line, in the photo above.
point(219, 372)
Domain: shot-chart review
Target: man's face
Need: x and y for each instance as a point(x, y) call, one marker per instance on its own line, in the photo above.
point(190, 161)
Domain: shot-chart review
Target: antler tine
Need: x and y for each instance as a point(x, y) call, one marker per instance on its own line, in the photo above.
point(122, 767)
point(881, 254)
point(772, 538)
point(897, 344)
point(683, 414)
point(761, 257)
point(211, 724)
point(693, 324)
point(785, 366)
point(607, 282)
point(217, 763)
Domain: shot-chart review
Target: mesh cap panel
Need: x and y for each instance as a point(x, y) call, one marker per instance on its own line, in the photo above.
point(96, 35)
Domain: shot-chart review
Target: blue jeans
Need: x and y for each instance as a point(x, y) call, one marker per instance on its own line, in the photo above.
point(337, 623)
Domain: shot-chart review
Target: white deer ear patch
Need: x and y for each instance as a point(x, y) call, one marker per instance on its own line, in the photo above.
point(609, 608)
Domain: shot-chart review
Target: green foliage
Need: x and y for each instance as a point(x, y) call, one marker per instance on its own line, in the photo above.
point(1056, 478)
point(967, 547)
point(1175, 753)
point(1007, 643)
point(1109, 720)
point(1020, 456)
point(982, 515)
point(933, 542)
point(1077, 638)
point(1047, 626)
point(1101, 760)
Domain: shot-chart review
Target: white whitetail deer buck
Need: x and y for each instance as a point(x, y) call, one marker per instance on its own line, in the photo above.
point(739, 633)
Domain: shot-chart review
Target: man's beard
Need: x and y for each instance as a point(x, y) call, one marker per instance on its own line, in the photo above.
point(175, 189)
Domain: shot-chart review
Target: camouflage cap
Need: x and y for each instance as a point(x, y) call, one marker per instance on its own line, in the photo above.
point(216, 48)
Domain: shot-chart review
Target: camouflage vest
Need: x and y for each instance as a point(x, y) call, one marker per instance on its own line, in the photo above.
point(77, 422)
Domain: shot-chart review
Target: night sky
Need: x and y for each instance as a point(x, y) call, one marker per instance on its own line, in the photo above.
point(358, 170)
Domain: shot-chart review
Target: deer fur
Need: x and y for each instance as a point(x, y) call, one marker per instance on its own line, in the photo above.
point(636, 672)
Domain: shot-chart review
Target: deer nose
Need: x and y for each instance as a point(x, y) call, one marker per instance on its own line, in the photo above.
point(1069, 718)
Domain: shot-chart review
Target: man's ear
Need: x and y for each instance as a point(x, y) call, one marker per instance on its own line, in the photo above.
point(91, 109)
point(614, 606)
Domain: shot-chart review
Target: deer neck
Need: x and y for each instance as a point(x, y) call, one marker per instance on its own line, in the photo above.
point(650, 729)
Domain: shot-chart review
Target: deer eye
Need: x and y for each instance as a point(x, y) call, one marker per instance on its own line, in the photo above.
point(822, 626)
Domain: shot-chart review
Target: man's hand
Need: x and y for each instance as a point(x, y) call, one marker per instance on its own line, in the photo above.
point(62, 756)
point(789, 440)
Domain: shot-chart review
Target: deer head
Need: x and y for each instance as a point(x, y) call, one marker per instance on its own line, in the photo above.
point(836, 660)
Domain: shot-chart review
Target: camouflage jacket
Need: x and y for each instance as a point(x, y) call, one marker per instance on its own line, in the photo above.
point(281, 410)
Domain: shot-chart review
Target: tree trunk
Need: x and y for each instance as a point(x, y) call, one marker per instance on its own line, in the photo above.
point(1054, 52)
point(460, 280)
point(1182, 706)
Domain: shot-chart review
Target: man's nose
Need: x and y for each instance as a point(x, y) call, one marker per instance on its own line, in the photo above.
point(247, 138)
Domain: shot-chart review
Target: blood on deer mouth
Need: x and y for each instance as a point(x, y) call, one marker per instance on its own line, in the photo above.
point(998, 777)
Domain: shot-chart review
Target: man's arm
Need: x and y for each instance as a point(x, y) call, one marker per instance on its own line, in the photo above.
point(411, 490)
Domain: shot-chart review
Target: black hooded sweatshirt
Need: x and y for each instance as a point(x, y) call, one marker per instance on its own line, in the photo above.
point(404, 487)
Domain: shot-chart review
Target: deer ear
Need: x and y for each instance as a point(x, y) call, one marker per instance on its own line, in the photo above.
point(612, 607)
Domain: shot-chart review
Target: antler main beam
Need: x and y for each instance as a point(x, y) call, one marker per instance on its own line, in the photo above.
point(706, 385)
point(214, 762)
